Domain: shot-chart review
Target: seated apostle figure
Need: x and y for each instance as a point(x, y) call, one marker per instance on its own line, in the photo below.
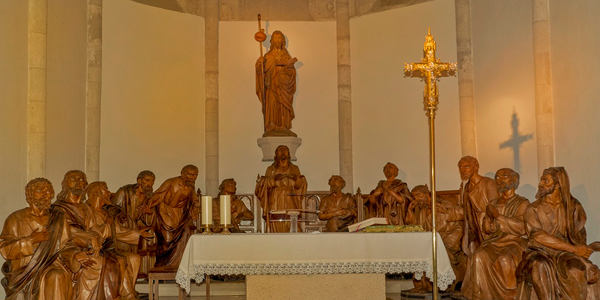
point(555, 264)
point(35, 253)
point(338, 208)
point(390, 198)
point(239, 211)
point(494, 263)
point(137, 216)
point(102, 217)
point(448, 224)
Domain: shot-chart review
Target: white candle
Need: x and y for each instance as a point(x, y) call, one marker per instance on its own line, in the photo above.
point(225, 209)
point(207, 210)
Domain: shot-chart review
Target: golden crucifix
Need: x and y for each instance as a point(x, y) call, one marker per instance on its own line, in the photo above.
point(430, 69)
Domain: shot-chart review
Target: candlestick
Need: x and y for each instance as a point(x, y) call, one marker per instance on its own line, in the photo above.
point(225, 209)
point(207, 210)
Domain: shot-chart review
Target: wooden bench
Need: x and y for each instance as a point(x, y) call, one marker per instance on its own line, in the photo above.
point(161, 273)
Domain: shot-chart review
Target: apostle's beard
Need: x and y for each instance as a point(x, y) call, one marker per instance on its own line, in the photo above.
point(335, 189)
point(147, 192)
point(543, 192)
point(503, 187)
point(189, 183)
point(77, 192)
point(41, 203)
point(465, 176)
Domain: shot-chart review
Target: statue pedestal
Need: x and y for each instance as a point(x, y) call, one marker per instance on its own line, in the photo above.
point(269, 144)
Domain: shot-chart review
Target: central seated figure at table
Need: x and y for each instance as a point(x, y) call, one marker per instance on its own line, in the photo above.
point(282, 188)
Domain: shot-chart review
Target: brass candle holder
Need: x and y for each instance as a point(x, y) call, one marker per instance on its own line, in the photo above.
point(206, 229)
point(226, 229)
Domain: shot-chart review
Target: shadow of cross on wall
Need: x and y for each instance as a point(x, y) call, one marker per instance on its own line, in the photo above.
point(515, 142)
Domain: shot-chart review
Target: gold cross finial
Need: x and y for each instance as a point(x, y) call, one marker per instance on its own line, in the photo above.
point(430, 69)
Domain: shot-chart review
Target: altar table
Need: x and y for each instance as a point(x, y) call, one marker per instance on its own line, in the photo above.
point(312, 253)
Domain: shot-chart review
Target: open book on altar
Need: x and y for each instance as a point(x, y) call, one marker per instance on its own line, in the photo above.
point(368, 222)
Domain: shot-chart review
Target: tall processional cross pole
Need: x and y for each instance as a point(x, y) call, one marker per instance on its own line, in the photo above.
point(430, 69)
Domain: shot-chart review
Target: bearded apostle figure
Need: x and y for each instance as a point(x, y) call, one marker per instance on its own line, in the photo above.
point(555, 264)
point(493, 266)
point(176, 204)
point(35, 254)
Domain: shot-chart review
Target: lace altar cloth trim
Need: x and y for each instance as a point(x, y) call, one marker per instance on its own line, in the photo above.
point(197, 272)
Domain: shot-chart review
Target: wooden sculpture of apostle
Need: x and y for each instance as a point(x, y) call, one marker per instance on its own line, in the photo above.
point(555, 264)
point(476, 192)
point(494, 263)
point(96, 270)
point(239, 211)
point(35, 253)
point(448, 224)
point(176, 203)
point(339, 209)
point(276, 86)
point(130, 198)
point(102, 217)
point(390, 197)
point(282, 187)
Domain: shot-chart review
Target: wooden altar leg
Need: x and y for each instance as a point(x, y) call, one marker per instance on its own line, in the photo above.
point(182, 293)
point(207, 285)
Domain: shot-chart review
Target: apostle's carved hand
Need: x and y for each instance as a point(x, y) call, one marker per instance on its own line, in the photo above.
point(39, 236)
point(583, 251)
point(84, 259)
point(377, 192)
point(279, 177)
point(441, 209)
point(145, 209)
point(96, 245)
point(595, 246)
point(259, 62)
point(340, 213)
point(492, 212)
point(147, 234)
point(412, 205)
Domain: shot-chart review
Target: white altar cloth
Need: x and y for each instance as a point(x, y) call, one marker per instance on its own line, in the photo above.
point(310, 253)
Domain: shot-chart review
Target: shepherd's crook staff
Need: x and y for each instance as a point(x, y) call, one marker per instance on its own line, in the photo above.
point(260, 37)
point(430, 69)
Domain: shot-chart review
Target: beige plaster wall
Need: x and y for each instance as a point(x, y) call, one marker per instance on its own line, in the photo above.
point(13, 108)
point(315, 102)
point(503, 85)
point(575, 39)
point(67, 50)
point(388, 116)
point(152, 93)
